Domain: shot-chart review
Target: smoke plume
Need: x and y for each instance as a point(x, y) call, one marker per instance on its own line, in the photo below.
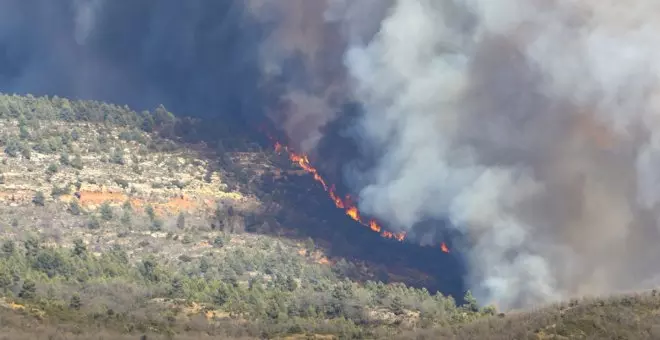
point(529, 125)
point(196, 57)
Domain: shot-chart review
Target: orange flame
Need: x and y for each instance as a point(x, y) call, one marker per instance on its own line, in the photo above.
point(345, 203)
point(444, 248)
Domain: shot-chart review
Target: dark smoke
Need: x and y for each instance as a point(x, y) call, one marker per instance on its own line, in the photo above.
point(196, 57)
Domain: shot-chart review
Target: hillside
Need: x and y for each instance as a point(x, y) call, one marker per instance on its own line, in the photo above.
point(118, 224)
point(630, 316)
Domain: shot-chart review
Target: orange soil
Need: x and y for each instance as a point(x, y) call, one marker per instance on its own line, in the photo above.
point(174, 205)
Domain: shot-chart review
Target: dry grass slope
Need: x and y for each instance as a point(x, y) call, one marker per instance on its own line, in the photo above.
point(619, 317)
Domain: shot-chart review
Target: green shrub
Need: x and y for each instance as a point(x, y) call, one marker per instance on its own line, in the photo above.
point(52, 169)
point(76, 162)
point(181, 221)
point(93, 223)
point(64, 159)
point(117, 157)
point(58, 191)
point(122, 183)
point(150, 212)
point(39, 198)
point(74, 207)
point(156, 225)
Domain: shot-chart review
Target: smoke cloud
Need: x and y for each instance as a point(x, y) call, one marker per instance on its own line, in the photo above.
point(529, 125)
point(196, 57)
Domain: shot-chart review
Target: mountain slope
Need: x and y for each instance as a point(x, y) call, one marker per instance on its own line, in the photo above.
point(127, 223)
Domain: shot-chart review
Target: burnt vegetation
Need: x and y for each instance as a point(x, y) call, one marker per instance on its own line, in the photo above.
point(268, 257)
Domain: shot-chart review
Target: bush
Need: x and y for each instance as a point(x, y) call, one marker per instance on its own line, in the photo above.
point(74, 207)
point(79, 247)
point(179, 184)
point(25, 151)
point(156, 225)
point(181, 221)
point(8, 248)
point(23, 132)
point(117, 157)
point(64, 158)
point(75, 135)
point(93, 223)
point(106, 211)
point(28, 291)
point(150, 212)
point(76, 162)
point(127, 206)
point(58, 191)
point(126, 218)
point(122, 183)
point(52, 169)
point(12, 148)
point(219, 242)
point(39, 199)
point(76, 302)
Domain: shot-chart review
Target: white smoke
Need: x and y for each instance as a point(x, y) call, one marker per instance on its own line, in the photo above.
point(531, 125)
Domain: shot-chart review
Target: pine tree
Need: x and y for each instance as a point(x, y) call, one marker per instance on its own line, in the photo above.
point(470, 302)
point(106, 211)
point(8, 248)
point(79, 248)
point(291, 284)
point(28, 291)
point(204, 265)
point(76, 302)
point(397, 305)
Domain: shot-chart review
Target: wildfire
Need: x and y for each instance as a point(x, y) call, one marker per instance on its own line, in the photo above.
point(345, 203)
point(444, 247)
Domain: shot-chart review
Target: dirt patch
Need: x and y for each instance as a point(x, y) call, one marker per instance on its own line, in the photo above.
point(88, 198)
point(180, 203)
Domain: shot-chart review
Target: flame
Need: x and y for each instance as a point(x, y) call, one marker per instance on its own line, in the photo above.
point(444, 248)
point(345, 203)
